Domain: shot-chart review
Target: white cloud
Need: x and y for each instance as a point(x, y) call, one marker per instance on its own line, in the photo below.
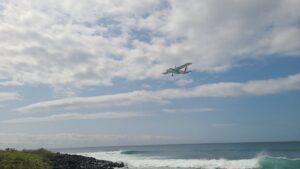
point(8, 96)
point(222, 89)
point(184, 82)
point(188, 110)
point(75, 116)
point(146, 87)
point(217, 35)
point(67, 44)
point(106, 100)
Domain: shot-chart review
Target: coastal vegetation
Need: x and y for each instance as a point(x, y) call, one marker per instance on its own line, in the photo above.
point(26, 159)
point(45, 159)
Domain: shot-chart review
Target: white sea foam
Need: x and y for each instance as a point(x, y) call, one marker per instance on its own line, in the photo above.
point(140, 162)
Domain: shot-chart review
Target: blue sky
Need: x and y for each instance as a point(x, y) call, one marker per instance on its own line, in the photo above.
point(89, 73)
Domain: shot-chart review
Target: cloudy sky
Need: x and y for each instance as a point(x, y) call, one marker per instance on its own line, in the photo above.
point(88, 73)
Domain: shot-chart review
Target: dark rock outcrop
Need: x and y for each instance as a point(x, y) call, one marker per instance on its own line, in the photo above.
point(67, 161)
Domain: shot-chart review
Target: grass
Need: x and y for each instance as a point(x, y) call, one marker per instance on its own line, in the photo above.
point(25, 159)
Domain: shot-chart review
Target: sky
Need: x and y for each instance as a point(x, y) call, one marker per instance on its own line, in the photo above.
point(89, 73)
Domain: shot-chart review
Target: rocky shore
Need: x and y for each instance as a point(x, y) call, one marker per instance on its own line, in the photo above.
point(45, 159)
point(67, 161)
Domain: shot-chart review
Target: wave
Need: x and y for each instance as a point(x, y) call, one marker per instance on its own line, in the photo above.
point(134, 152)
point(279, 163)
point(142, 162)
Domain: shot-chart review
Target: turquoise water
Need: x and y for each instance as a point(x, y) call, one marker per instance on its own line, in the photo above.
point(279, 155)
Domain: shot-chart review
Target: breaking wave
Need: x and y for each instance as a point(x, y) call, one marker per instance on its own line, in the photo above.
point(134, 161)
point(279, 163)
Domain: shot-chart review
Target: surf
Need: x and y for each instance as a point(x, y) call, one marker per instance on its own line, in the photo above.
point(135, 161)
point(279, 163)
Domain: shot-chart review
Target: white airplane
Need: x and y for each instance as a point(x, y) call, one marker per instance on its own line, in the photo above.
point(177, 70)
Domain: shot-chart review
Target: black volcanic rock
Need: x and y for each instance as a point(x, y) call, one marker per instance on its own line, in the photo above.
point(67, 161)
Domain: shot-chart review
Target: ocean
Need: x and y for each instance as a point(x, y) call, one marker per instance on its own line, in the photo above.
point(273, 155)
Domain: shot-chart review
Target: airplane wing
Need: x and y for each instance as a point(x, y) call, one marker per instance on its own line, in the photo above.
point(167, 71)
point(183, 66)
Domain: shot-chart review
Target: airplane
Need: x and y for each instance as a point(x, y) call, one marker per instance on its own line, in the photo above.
point(177, 70)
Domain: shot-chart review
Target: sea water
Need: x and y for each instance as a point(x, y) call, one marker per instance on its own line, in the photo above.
point(275, 155)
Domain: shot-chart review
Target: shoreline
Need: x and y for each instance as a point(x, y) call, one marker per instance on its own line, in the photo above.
point(70, 161)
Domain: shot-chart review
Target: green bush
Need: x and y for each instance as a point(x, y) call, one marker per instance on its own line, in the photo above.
point(26, 159)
